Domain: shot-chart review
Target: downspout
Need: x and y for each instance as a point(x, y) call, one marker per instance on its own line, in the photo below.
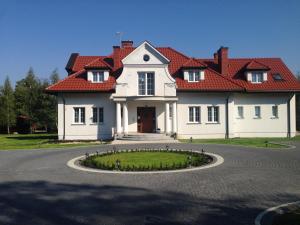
point(64, 117)
point(227, 118)
point(289, 117)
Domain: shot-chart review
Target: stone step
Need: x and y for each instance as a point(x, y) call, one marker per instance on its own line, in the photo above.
point(145, 137)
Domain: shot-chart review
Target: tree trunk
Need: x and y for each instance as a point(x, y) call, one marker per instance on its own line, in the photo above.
point(8, 131)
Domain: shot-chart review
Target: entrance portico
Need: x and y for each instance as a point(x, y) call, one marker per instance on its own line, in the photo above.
point(146, 115)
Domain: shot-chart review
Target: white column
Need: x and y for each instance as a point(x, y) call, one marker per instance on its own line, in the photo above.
point(118, 117)
point(125, 118)
point(174, 118)
point(167, 119)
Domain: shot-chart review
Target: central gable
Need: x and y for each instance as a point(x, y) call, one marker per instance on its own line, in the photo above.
point(145, 54)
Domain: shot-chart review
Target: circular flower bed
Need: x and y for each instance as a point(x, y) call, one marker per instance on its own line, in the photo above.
point(146, 160)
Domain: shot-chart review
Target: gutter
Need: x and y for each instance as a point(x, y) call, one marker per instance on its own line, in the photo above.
point(64, 117)
point(227, 118)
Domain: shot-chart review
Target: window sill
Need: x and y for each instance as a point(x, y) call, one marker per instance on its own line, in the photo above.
point(189, 81)
point(257, 118)
point(96, 123)
point(274, 118)
point(78, 124)
point(240, 118)
point(193, 123)
point(212, 123)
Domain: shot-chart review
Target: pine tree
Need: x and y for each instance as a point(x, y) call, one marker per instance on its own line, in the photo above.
point(8, 117)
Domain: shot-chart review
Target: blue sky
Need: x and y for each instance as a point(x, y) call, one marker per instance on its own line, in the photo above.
point(42, 34)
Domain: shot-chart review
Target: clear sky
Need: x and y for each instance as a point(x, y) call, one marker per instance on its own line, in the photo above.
point(42, 34)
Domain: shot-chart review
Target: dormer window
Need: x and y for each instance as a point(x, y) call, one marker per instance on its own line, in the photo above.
point(277, 77)
point(98, 76)
point(257, 77)
point(194, 75)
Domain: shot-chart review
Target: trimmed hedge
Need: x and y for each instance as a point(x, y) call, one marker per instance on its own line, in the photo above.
point(193, 159)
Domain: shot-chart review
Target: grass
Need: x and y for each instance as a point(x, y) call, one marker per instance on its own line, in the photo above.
point(145, 160)
point(34, 141)
point(251, 142)
point(289, 218)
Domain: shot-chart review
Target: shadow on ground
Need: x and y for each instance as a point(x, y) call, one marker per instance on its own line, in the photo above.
point(56, 203)
point(34, 137)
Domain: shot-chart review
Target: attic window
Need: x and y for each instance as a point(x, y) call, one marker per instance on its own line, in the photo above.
point(277, 76)
point(146, 58)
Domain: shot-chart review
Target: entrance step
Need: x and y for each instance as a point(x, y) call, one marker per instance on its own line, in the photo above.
point(145, 137)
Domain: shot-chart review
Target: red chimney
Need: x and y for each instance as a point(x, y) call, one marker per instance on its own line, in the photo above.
point(126, 44)
point(116, 57)
point(223, 60)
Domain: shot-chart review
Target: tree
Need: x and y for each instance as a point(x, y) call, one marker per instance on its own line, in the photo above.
point(54, 77)
point(8, 117)
point(26, 95)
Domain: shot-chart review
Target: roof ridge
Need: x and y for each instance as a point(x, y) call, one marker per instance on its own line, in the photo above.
point(99, 60)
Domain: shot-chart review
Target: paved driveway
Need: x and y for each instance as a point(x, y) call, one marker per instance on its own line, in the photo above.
point(36, 187)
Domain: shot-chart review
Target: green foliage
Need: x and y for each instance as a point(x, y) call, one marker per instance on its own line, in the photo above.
point(7, 103)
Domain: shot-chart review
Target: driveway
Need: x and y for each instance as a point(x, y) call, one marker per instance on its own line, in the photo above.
point(36, 187)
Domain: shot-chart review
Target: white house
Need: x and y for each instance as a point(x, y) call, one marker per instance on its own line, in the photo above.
point(151, 89)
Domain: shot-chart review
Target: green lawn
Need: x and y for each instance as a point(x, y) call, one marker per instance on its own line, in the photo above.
point(145, 160)
point(251, 142)
point(34, 141)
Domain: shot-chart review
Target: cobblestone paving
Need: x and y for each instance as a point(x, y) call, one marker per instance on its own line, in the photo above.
point(37, 187)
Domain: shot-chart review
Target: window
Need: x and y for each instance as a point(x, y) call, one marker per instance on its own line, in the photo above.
point(146, 84)
point(97, 115)
point(275, 111)
point(194, 114)
point(257, 77)
point(170, 111)
point(277, 77)
point(79, 115)
point(98, 76)
point(213, 114)
point(257, 112)
point(240, 111)
point(194, 75)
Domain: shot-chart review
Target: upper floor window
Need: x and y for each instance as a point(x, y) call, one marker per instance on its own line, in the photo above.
point(194, 75)
point(194, 114)
point(240, 112)
point(79, 115)
point(275, 111)
point(98, 76)
point(257, 112)
point(146, 83)
point(213, 114)
point(257, 77)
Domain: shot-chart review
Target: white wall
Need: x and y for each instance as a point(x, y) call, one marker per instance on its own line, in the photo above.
point(204, 129)
point(87, 131)
point(266, 126)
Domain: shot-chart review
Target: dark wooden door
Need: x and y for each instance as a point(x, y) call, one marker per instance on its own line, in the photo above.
point(146, 119)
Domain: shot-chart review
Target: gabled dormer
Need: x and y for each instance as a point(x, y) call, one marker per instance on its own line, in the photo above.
point(98, 71)
point(193, 70)
point(256, 72)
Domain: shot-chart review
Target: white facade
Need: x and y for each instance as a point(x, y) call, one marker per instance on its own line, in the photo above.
point(216, 115)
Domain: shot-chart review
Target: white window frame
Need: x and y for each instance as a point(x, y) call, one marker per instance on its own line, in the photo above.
point(193, 74)
point(275, 116)
point(214, 118)
point(257, 77)
point(99, 76)
point(194, 114)
point(146, 83)
point(240, 113)
point(81, 111)
point(257, 115)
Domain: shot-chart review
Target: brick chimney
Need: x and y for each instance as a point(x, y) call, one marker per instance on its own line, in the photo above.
point(127, 44)
point(223, 60)
point(116, 57)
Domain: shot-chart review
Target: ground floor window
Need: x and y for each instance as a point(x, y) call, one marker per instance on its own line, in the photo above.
point(257, 112)
point(275, 111)
point(240, 112)
point(98, 115)
point(194, 114)
point(213, 114)
point(79, 115)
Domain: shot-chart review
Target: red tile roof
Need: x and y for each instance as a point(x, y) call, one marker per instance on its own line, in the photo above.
point(254, 65)
point(214, 81)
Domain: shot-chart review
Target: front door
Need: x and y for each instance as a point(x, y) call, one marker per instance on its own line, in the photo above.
point(146, 119)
